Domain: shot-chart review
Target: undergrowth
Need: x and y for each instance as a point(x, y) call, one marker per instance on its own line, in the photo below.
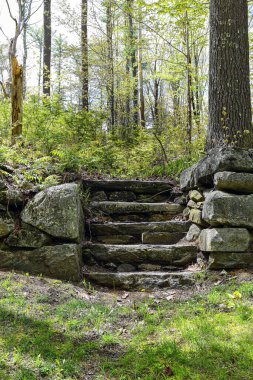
point(65, 139)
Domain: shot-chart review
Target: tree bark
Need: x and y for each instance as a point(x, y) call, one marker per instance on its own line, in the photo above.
point(110, 64)
point(141, 91)
point(229, 87)
point(85, 61)
point(24, 59)
point(47, 48)
point(16, 99)
point(133, 61)
point(189, 82)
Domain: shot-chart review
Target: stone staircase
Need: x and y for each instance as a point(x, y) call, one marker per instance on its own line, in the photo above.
point(136, 236)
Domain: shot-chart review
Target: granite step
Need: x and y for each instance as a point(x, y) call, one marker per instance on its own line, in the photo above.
point(143, 280)
point(121, 228)
point(139, 187)
point(134, 211)
point(178, 255)
point(143, 232)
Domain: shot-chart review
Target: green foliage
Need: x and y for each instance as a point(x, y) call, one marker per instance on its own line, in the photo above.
point(58, 138)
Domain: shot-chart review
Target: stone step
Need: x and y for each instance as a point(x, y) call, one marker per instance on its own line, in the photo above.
point(120, 228)
point(138, 187)
point(132, 233)
point(143, 280)
point(145, 238)
point(178, 255)
point(127, 211)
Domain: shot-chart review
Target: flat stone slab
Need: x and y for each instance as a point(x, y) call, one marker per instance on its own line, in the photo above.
point(226, 209)
point(224, 240)
point(143, 280)
point(224, 260)
point(138, 228)
point(176, 255)
point(217, 160)
point(136, 208)
point(235, 182)
point(60, 261)
point(162, 237)
point(146, 187)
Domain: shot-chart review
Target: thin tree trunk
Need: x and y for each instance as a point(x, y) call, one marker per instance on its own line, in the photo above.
point(141, 92)
point(229, 87)
point(40, 69)
point(47, 48)
point(85, 62)
point(17, 99)
point(24, 60)
point(189, 82)
point(110, 63)
point(134, 64)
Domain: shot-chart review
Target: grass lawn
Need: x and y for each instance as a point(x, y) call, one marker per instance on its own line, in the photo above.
point(53, 330)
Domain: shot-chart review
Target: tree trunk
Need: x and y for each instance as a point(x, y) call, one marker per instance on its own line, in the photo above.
point(24, 59)
point(141, 92)
point(229, 88)
point(133, 61)
point(16, 99)
point(84, 46)
point(189, 82)
point(47, 48)
point(110, 64)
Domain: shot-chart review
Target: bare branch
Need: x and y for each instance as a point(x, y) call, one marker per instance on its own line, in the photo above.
point(9, 9)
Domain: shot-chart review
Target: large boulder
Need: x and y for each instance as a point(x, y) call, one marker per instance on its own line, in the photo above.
point(7, 224)
point(224, 240)
point(234, 182)
point(217, 160)
point(57, 211)
point(225, 209)
point(60, 261)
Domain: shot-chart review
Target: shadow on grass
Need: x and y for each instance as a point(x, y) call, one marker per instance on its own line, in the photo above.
point(29, 344)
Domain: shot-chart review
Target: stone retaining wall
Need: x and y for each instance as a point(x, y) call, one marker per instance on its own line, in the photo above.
point(220, 206)
point(43, 235)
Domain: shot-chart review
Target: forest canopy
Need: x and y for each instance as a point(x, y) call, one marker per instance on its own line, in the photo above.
point(115, 87)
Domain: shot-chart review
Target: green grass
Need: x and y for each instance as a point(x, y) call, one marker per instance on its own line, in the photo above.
point(52, 330)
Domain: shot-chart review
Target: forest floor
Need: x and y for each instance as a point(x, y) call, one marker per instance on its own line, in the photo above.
point(55, 330)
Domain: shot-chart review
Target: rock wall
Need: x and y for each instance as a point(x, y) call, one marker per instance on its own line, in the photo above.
point(220, 207)
point(43, 235)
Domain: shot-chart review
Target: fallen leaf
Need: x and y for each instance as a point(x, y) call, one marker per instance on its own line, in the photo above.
point(168, 372)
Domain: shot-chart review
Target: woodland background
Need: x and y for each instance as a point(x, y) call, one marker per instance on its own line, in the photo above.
point(125, 93)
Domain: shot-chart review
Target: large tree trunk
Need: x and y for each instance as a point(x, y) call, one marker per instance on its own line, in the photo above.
point(16, 99)
point(229, 88)
point(85, 66)
point(47, 48)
